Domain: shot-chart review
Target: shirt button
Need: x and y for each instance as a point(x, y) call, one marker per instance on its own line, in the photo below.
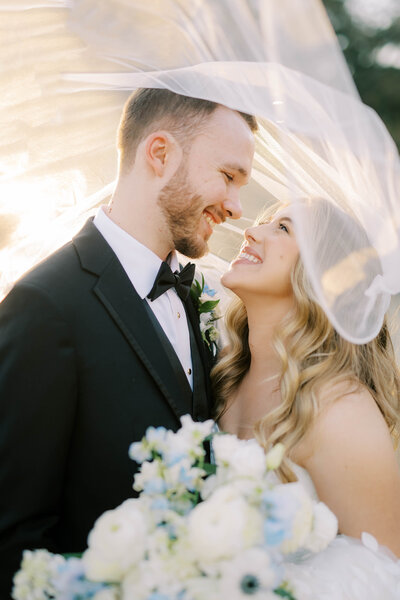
point(178, 315)
point(189, 371)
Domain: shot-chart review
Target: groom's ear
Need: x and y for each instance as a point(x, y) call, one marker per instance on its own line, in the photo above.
point(163, 154)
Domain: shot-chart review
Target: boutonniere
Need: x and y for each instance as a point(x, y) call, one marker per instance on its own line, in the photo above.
point(202, 297)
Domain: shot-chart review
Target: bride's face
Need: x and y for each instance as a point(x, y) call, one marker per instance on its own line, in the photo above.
point(266, 259)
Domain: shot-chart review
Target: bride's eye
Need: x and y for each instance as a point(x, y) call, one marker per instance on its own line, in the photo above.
point(228, 176)
point(283, 227)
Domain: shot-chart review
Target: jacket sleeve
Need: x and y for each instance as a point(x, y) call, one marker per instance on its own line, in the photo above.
point(37, 406)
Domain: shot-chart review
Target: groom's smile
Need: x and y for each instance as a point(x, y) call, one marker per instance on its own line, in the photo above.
point(204, 191)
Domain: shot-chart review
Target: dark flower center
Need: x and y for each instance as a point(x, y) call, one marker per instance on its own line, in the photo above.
point(250, 584)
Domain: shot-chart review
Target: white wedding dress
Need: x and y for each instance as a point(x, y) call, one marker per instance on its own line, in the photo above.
point(348, 569)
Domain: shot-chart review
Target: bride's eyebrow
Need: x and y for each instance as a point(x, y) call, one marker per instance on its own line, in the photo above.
point(288, 219)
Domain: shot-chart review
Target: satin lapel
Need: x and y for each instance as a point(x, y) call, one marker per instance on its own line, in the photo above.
point(124, 305)
point(205, 356)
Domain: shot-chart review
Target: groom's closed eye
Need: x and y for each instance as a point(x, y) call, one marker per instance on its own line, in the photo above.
point(228, 176)
point(234, 170)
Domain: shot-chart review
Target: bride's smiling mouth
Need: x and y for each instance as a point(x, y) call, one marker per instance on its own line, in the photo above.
point(249, 256)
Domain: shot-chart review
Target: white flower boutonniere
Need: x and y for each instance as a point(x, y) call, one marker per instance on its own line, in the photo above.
point(202, 297)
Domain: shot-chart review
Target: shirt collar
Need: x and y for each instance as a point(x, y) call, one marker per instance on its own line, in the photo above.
point(139, 262)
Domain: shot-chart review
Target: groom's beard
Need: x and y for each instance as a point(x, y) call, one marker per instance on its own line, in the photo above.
point(183, 211)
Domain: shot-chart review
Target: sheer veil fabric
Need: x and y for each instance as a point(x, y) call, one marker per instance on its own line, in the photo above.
point(72, 65)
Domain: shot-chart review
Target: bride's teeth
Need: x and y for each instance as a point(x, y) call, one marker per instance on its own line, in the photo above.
point(249, 257)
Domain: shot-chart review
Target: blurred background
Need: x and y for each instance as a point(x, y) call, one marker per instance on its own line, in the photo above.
point(369, 35)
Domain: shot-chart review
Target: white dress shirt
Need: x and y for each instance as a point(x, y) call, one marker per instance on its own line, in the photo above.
point(142, 265)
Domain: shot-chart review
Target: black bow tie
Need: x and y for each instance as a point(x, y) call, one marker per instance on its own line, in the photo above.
point(166, 279)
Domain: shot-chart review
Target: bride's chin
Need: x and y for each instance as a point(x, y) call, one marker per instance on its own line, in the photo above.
point(226, 280)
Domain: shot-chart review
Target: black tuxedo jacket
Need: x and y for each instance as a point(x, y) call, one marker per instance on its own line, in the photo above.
point(84, 370)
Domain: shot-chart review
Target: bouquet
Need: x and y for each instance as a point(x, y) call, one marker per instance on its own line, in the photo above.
point(197, 531)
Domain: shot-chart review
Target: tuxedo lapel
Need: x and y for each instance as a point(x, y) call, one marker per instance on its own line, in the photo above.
point(126, 308)
point(205, 356)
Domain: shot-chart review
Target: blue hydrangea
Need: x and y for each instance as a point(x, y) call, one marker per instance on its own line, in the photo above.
point(71, 583)
point(157, 485)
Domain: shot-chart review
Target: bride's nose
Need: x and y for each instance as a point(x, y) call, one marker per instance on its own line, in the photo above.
point(250, 234)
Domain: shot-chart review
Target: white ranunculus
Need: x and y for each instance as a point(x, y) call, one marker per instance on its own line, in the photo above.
point(228, 521)
point(109, 593)
point(243, 458)
point(224, 446)
point(136, 585)
point(117, 542)
point(249, 460)
point(303, 519)
point(199, 588)
point(325, 528)
point(249, 573)
point(210, 485)
point(146, 579)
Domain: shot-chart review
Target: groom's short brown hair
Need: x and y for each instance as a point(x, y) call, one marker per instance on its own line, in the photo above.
point(149, 109)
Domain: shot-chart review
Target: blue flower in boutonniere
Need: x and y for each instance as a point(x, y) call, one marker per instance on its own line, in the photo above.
point(202, 297)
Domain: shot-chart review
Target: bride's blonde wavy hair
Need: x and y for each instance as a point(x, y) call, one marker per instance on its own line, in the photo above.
point(312, 354)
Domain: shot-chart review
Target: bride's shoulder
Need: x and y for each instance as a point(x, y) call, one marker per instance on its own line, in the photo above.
point(347, 408)
point(348, 421)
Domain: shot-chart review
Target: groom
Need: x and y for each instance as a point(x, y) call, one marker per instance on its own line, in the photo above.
point(101, 340)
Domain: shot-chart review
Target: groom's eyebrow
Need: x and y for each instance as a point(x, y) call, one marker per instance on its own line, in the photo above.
point(238, 168)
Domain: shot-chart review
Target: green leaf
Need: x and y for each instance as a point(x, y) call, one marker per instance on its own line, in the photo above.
point(73, 555)
point(210, 469)
point(208, 306)
point(283, 592)
point(195, 289)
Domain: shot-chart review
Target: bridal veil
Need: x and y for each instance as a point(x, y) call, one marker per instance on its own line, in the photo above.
point(73, 63)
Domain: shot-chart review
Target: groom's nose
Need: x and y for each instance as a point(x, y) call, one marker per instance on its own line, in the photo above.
point(232, 205)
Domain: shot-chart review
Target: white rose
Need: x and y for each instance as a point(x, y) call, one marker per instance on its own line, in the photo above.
point(117, 542)
point(228, 521)
point(325, 528)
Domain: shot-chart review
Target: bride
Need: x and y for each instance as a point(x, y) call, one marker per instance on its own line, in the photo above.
point(288, 376)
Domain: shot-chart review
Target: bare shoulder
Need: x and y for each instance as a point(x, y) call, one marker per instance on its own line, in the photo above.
point(349, 418)
point(349, 440)
point(351, 460)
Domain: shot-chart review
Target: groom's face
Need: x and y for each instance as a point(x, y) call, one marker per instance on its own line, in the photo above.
point(205, 189)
